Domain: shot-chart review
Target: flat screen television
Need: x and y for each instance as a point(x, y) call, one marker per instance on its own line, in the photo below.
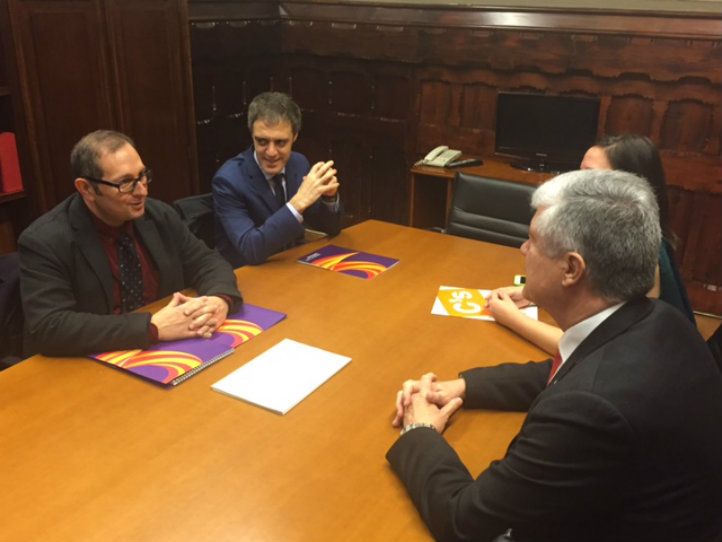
point(541, 132)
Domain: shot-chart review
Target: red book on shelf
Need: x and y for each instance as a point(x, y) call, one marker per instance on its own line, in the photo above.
point(10, 180)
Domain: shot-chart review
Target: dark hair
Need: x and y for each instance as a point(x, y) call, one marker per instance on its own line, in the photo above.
point(274, 107)
point(86, 152)
point(639, 155)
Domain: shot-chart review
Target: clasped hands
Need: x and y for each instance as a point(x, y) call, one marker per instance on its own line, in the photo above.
point(185, 317)
point(320, 181)
point(428, 400)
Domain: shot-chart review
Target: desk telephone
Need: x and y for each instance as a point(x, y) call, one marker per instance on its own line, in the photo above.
point(441, 156)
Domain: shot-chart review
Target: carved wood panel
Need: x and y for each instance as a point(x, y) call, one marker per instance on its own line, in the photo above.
point(154, 89)
point(413, 78)
point(89, 64)
point(62, 53)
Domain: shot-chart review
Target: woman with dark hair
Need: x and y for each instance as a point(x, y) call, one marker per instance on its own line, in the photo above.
point(636, 154)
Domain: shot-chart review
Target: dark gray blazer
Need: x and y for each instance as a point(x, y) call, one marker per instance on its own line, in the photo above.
point(66, 282)
point(625, 445)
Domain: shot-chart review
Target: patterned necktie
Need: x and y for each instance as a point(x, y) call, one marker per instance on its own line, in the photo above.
point(556, 362)
point(131, 274)
point(278, 190)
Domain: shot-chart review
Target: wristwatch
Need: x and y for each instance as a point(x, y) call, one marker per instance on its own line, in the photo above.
point(411, 426)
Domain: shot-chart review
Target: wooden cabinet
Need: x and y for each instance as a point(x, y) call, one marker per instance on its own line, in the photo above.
point(89, 64)
point(13, 203)
point(432, 188)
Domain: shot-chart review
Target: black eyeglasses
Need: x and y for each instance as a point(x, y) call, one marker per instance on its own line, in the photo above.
point(127, 186)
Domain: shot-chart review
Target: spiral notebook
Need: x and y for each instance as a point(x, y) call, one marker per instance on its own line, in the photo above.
point(171, 362)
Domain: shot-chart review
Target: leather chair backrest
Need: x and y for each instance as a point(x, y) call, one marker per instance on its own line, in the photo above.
point(197, 213)
point(11, 310)
point(490, 210)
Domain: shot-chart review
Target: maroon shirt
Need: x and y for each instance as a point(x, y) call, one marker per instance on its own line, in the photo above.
point(108, 238)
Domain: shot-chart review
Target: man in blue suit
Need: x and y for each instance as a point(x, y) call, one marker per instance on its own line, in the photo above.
point(265, 195)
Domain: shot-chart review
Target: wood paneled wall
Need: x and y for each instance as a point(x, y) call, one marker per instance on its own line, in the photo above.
point(380, 85)
point(82, 65)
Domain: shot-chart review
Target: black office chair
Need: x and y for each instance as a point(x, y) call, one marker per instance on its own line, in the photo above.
point(197, 213)
point(490, 210)
point(11, 311)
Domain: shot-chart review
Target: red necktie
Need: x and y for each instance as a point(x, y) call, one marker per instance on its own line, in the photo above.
point(556, 362)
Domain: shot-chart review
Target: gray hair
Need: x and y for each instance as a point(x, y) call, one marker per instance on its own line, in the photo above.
point(274, 107)
point(611, 219)
point(86, 153)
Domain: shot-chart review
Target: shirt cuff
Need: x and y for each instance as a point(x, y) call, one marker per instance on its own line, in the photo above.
point(294, 212)
point(413, 426)
point(331, 202)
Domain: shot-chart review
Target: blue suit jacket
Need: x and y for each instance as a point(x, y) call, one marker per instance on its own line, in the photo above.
point(250, 225)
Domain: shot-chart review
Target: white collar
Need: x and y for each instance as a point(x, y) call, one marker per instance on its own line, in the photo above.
point(574, 336)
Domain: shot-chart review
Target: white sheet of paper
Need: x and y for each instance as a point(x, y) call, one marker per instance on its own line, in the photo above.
point(282, 376)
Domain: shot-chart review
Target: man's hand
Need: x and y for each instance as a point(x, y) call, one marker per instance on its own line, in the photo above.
point(436, 393)
point(421, 410)
point(185, 317)
point(206, 314)
point(320, 181)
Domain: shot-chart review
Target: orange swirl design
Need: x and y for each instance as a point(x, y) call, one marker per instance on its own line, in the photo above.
point(370, 269)
point(338, 263)
point(240, 330)
point(117, 357)
point(330, 262)
point(173, 363)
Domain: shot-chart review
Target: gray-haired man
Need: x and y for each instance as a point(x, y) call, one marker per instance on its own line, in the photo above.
point(623, 438)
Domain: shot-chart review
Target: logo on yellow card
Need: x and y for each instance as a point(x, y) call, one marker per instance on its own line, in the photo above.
point(462, 302)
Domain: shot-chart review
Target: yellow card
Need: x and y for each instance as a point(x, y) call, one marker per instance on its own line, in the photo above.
point(467, 303)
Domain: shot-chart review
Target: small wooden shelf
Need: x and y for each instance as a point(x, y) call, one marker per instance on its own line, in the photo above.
point(431, 188)
point(11, 196)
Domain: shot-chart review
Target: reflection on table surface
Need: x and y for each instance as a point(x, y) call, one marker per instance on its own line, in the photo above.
point(90, 453)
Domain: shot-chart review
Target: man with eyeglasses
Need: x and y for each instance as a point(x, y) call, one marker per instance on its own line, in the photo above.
point(108, 249)
point(264, 197)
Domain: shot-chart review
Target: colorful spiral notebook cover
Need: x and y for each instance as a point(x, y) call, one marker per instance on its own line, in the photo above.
point(468, 303)
point(172, 362)
point(350, 262)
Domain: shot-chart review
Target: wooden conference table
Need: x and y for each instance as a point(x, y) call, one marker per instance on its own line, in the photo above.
point(88, 453)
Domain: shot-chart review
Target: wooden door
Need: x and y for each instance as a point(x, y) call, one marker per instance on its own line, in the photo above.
point(117, 64)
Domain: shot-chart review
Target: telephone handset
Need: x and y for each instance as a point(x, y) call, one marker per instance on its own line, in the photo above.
point(441, 156)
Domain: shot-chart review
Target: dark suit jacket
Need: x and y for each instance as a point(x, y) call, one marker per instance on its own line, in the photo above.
point(66, 282)
point(625, 445)
point(250, 225)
